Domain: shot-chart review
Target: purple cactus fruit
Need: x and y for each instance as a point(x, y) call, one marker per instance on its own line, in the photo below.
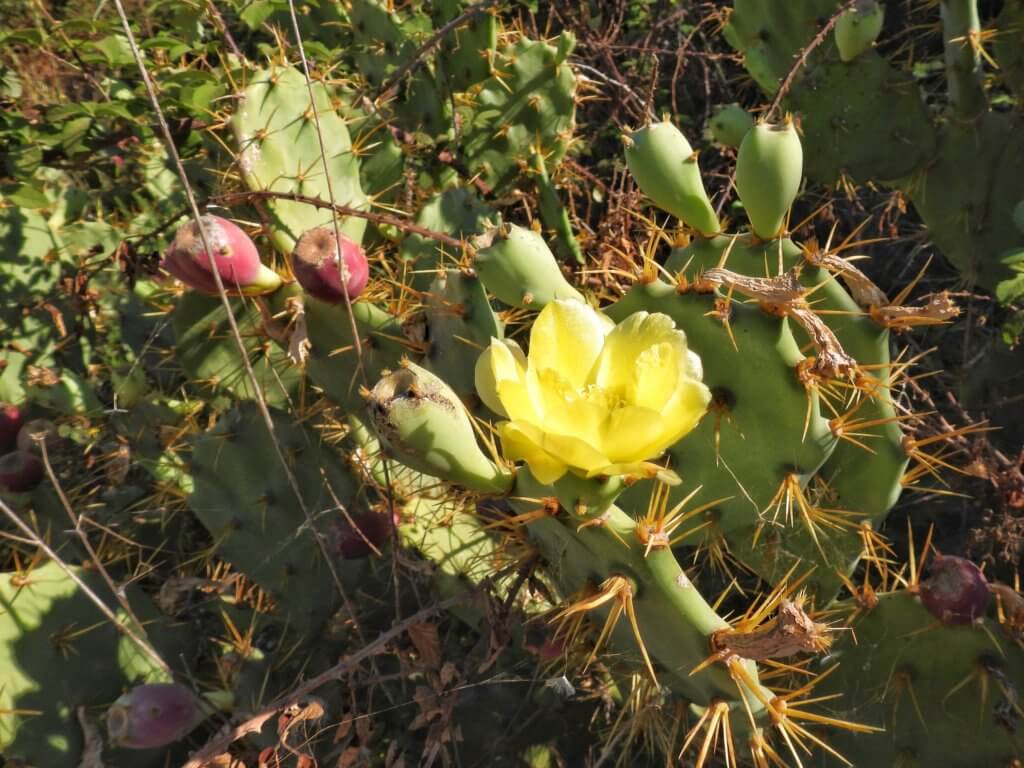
point(352, 542)
point(31, 430)
point(152, 715)
point(20, 471)
point(11, 419)
point(328, 267)
point(956, 591)
point(234, 255)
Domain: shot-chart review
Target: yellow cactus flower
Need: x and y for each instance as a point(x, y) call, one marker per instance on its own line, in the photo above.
point(592, 397)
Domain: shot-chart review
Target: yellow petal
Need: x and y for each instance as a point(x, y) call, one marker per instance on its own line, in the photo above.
point(636, 433)
point(650, 342)
point(685, 410)
point(564, 409)
point(567, 336)
point(520, 440)
point(508, 374)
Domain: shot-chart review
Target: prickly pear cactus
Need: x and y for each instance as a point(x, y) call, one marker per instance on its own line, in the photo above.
point(47, 627)
point(863, 116)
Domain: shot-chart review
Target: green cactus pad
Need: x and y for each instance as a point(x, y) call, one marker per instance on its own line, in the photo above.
point(940, 692)
point(460, 323)
point(527, 105)
point(208, 354)
point(244, 499)
point(279, 151)
point(59, 653)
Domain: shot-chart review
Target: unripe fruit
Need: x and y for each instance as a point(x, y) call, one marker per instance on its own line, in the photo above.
point(152, 715)
point(20, 471)
point(329, 266)
point(11, 420)
point(956, 591)
point(665, 167)
point(1018, 215)
point(858, 28)
point(521, 271)
point(31, 430)
point(234, 257)
point(769, 167)
point(730, 124)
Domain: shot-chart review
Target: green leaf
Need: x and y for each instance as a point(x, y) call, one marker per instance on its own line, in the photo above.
point(27, 196)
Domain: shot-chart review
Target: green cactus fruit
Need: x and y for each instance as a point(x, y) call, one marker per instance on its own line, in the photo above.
point(730, 124)
point(858, 28)
point(519, 268)
point(279, 151)
point(665, 168)
point(768, 171)
point(426, 426)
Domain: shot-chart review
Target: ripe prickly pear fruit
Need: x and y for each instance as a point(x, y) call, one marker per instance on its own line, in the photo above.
point(665, 167)
point(234, 257)
point(329, 266)
point(730, 124)
point(426, 426)
point(153, 715)
point(769, 167)
point(858, 28)
point(11, 420)
point(368, 529)
point(30, 432)
point(956, 591)
point(20, 471)
point(519, 268)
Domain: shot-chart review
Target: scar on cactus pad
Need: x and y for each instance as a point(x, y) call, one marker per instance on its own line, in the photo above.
point(234, 257)
point(329, 266)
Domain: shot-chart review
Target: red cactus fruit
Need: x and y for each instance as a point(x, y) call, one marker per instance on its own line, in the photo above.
point(352, 542)
point(152, 715)
point(234, 257)
point(30, 431)
point(328, 267)
point(20, 471)
point(956, 591)
point(11, 419)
